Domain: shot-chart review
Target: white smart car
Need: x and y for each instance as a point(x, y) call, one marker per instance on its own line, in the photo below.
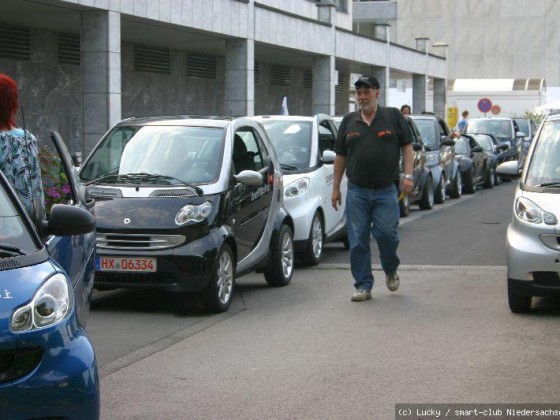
point(305, 148)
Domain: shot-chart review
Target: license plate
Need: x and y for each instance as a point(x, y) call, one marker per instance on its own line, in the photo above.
point(146, 265)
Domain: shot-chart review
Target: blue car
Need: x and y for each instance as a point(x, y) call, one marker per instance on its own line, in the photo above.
point(47, 363)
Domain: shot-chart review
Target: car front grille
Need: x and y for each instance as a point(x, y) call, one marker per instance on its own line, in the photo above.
point(127, 241)
point(17, 363)
point(546, 278)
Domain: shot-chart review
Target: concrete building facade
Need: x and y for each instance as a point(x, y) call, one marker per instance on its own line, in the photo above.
point(499, 39)
point(82, 65)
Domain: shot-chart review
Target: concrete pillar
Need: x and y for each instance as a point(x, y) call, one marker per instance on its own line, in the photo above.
point(419, 91)
point(240, 77)
point(382, 76)
point(440, 97)
point(324, 71)
point(324, 81)
point(240, 70)
point(420, 81)
point(101, 74)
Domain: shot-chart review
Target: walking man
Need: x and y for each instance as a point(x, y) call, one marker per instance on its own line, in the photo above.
point(368, 148)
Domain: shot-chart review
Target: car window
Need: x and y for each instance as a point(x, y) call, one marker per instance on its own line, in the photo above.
point(13, 230)
point(544, 166)
point(327, 137)
point(291, 140)
point(428, 132)
point(462, 146)
point(189, 154)
point(486, 143)
point(523, 125)
point(57, 187)
point(499, 128)
point(254, 150)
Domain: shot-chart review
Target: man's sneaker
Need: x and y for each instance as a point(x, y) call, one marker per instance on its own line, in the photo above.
point(393, 281)
point(360, 295)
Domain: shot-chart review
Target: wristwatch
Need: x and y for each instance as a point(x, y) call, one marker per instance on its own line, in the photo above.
point(407, 176)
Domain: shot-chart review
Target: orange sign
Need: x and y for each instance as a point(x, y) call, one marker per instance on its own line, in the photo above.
point(496, 109)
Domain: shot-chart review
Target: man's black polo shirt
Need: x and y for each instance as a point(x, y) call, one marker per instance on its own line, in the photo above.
point(373, 152)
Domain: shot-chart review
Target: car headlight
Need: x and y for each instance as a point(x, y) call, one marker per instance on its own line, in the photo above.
point(193, 213)
point(50, 304)
point(529, 212)
point(299, 187)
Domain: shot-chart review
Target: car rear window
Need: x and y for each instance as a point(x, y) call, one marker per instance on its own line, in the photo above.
point(544, 164)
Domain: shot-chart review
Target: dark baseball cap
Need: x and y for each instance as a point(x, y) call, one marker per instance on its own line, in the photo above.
point(367, 80)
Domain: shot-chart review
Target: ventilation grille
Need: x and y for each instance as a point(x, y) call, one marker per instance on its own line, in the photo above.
point(340, 83)
point(174, 193)
point(9, 264)
point(280, 76)
point(152, 60)
point(15, 42)
point(201, 66)
point(138, 241)
point(104, 192)
point(307, 80)
point(69, 49)
point(257, 74)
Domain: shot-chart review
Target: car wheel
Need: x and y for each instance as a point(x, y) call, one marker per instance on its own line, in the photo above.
point(496, 178)
point(457, 189)
point(489, 179)
point(518, 303)
point(439, 196)
point(281, 267)
point(314, 248)
point(404, 205)
point(469, 185)
point(219, 292)
point(427, 200)
point(346, 242)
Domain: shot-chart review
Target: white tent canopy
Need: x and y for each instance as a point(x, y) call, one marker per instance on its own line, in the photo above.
point(551, 106)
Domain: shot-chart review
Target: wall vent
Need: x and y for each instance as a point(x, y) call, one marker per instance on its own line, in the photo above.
point(308, 80)
point(152, 60)
point(15, 42)
point(201, 66)
point(280, 76)
point(69, 49)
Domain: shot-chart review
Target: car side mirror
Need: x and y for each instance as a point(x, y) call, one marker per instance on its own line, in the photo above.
point(250, 178)
point(477, 149)
point(448, 142)
point(328, 156)
point(417, 147)
point(503, 147)
point(520, 135)
point(66, 220)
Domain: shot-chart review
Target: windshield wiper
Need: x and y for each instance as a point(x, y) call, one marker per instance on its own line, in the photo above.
point(102, 178)
point(550, 184)
point(12, 249)
point(144, 176)
point(288, 167)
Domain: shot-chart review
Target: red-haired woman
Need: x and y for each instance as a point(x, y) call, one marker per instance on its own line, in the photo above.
point(19, 160)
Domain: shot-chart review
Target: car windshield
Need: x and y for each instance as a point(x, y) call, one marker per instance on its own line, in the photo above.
point(157, 154)
point(291, 141)
point(461, 146)
point(15, 239)
point(428, 131)
point(544, 166)
point(485, 142)
point(501, 129)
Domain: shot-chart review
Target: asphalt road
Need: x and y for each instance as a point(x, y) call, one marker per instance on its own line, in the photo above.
point(306, 352)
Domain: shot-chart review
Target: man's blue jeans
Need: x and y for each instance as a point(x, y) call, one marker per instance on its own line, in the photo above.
point(375, 212)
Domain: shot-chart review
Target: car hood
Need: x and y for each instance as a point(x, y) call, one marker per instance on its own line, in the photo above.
point(141, 213)
point(17, 288)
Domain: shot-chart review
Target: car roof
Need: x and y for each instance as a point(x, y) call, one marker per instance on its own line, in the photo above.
point(292, 117)
point(185, 120)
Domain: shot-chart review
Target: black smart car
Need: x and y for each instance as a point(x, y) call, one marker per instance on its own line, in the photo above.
point(188, 204)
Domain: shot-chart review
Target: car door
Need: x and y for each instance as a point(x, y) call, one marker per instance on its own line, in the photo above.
point(75, 254)
point(252, 202)
point(447, 153)
point(326, 133)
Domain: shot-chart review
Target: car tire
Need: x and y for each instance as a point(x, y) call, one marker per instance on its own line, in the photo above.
point(489, 178)
point(518, 303)
point(457, 188)
point(281, 268)
point(439, 195)
point(404, 205)
point(427, 200)
point(496, 178)
point(217, 295)
point(346, 242)
point(314, 248)
point(469, 183)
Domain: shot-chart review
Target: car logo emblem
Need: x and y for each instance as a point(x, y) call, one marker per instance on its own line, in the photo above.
point(126, 221)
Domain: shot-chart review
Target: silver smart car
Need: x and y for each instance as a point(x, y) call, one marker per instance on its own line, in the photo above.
point(533, 236)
